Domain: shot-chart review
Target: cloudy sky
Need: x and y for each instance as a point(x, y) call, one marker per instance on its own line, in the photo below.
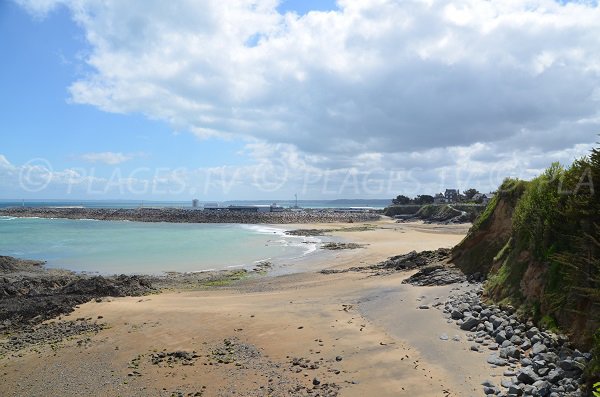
point(262, 99)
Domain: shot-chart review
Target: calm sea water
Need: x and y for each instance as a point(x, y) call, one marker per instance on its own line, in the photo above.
point(110, 247)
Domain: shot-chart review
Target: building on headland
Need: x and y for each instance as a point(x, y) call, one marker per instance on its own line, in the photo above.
point(486, 198)
point(482, 198)
point(439, 199)
point(452, 195)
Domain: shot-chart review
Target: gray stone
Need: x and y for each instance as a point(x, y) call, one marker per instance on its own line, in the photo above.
point(526, 362)
point(495, 360)
point(511, 352)
point(500, 337)
point(526, 345)
point(527, 376)
point(542, 388)
point(539, 348)
point(528, 389)
point(571, 365)
point(469, 323)
point(555, 375)
point(543, 371)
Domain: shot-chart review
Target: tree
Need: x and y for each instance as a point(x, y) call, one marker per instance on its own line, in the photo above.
point(401, 200)
point(423, 199)
point(469, 193)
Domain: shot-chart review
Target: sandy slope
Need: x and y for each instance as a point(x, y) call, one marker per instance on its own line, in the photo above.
point(387, 346)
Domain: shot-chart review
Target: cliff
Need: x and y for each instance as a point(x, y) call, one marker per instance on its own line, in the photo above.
point(538, 245)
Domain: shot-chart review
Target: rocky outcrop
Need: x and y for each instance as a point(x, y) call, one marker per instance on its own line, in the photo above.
point(436, 275)
point(415, 259)
point(30, 293)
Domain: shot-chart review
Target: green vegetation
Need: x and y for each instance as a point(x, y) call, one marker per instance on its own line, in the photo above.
point(484, 218)
point(470, 193)
point(423, 199)
point(401, 200)
point(593, 369)
point(225, 279)
point(442, 212)
point(540, 242)
point(394, 210)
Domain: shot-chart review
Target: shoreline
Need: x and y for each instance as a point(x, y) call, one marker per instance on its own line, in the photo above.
point(305, 333)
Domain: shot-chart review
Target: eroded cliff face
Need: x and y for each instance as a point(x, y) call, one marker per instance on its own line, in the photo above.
point(491, 232)
point(515, 276)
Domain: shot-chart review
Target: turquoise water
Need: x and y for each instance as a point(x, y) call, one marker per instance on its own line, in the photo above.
point(109, 247)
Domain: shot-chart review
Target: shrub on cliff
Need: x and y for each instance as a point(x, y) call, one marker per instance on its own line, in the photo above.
point(540, 242)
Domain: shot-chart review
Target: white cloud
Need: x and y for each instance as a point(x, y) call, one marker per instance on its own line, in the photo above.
point(109, 158)
point(278, 171)
point(439, 85)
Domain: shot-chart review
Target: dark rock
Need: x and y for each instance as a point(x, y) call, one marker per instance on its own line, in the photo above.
point(571, 365)
point(527, 376)
point(469, 323)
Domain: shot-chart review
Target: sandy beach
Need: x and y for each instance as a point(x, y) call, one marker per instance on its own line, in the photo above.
point(306, 333)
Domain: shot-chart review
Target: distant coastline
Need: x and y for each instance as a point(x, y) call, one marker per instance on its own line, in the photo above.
point(178, 215)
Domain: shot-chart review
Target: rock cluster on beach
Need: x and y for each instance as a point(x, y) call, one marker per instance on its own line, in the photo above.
point(50, 333)
point(178, 215)
point(436, 275)
point(415, 259)
point(30, 293)
point(409, 261)
point(538, 363)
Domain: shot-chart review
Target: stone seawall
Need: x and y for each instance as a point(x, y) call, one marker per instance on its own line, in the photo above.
point(177, 215)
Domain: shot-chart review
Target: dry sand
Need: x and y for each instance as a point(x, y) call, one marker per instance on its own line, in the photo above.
point(384, 345)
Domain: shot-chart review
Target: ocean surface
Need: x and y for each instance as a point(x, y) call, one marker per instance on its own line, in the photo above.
point(115, 247)
point(341, 203)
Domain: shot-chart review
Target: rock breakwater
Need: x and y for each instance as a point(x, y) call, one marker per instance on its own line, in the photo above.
point(178, 215)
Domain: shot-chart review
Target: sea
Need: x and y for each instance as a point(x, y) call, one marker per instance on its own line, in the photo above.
point(124, 247)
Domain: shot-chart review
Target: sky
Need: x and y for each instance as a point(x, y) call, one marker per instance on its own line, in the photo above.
point(264, 99)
